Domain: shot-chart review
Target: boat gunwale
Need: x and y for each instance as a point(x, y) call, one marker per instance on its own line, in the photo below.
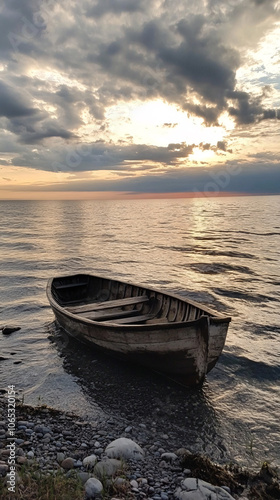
point(215, 317)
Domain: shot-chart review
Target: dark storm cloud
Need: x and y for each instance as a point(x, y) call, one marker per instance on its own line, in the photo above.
point(189, 59)
point(247, 109)
point(201, 58)
point(28, 123)
point(174, 64)
point(210, 114)
point(12, 104)
point(29, 135)
point(102, 156)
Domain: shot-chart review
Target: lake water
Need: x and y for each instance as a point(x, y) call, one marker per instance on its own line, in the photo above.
point(222, 252)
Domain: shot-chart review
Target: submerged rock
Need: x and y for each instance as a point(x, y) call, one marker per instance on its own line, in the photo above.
point(6, 330)
point(124, 448)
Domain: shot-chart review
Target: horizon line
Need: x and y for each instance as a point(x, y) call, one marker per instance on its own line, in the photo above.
point(119, 195)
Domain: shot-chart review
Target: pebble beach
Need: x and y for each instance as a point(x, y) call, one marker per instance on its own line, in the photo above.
point(115, 459)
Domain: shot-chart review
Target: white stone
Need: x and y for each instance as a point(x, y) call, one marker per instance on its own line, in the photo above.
point(196, 489)
point(134, 483)
point(93, 488)
point(89, 461)
point(124, 448)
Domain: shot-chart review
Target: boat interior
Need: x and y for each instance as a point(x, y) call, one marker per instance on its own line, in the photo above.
point(111, 301)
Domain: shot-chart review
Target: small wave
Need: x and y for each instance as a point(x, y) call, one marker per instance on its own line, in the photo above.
point(236, 294)
point(19, 245)
point(230, 254)
point(206, 251)
point(268, 330)
point(236, 241)
point(108, 235)
point(260, 234)
point(208, 238)
point(218, 268)
point(253, 233)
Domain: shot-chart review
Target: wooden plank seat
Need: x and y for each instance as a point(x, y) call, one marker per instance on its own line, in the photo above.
point(108, 304)
point(112, 316)
point(70, 285)
point(140, 318)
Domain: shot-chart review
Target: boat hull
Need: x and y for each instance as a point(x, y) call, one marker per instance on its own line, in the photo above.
point(184, 350)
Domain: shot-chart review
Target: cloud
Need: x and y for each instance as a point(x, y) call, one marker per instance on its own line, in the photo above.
point(158, 54)
point(12, 104)
point(254, 179)
point(67, 69)
point(102, 156)
point(186, 59)
point(20, 24)
point(247, 109)
point(29, 123)
point(103, 7)
point(179, 63)
point(170, 125)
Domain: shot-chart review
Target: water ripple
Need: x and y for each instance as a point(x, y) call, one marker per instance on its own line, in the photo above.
point(217, 268)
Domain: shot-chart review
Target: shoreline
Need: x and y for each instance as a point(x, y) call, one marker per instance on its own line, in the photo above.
point(56, 443)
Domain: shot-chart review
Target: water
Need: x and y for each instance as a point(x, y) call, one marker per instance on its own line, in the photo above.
point(223, 253)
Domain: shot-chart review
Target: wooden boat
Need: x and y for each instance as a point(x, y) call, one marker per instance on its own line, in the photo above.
point(164, 332)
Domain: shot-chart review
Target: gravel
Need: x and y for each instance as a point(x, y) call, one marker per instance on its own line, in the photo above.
point(60, 441)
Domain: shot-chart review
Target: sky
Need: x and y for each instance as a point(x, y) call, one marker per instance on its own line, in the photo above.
point(139, 98)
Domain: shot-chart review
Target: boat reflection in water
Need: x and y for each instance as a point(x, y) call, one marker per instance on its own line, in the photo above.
point(140, 396)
